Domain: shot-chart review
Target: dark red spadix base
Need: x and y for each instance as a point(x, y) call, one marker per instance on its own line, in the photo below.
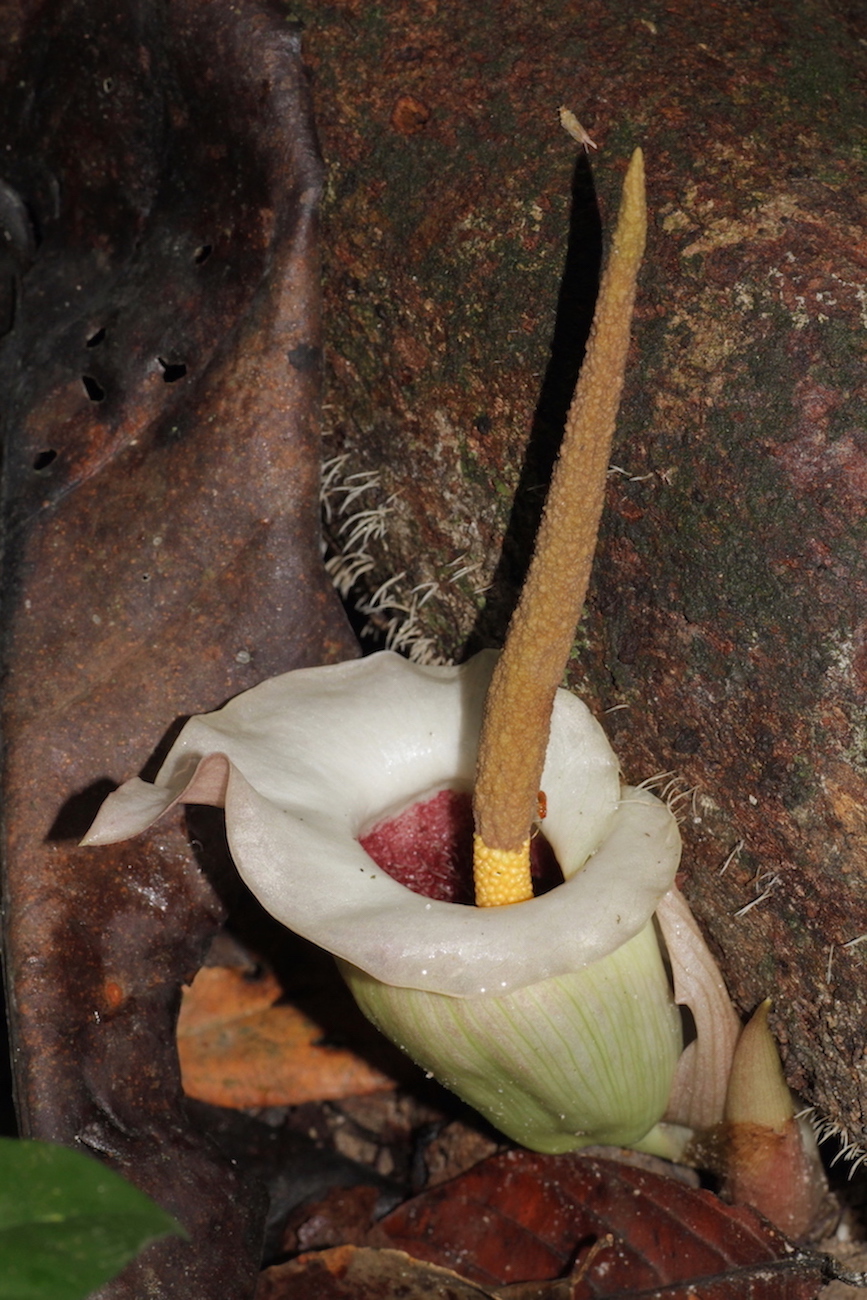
point(429, 848)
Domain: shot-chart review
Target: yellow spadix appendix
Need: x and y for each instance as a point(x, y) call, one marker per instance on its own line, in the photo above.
point(515, 727)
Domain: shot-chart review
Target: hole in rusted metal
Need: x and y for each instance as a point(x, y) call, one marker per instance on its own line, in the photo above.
point(172, 370)
point(93, 388)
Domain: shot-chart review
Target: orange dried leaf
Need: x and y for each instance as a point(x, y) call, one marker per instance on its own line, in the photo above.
point(238, 1049)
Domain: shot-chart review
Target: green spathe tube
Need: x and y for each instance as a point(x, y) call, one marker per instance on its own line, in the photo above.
point(574, 1060)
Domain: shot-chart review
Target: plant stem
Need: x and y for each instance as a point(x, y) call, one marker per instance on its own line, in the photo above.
point(521, 695)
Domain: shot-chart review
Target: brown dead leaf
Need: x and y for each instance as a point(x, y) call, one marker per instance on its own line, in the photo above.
point(342, 1217)
point(361, 1273)
point(238, 1049)
point(852, 1258)
point(521, 1217)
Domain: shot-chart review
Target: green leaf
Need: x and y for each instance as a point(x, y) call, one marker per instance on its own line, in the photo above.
point(67, 1223)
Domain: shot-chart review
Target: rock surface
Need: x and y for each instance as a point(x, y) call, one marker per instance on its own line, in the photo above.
point(726, 634)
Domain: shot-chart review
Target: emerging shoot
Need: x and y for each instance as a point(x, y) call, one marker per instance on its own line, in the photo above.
point(771, 1159)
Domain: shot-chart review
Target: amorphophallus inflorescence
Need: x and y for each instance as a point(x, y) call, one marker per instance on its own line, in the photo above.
point(556, 1015)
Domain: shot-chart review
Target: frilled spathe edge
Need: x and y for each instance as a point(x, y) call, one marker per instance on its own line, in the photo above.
point(304, 763)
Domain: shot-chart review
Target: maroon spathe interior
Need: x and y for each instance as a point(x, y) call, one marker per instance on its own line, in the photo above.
point(429, 848)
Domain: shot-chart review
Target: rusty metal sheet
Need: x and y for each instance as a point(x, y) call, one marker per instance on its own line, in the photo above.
point(161, 373)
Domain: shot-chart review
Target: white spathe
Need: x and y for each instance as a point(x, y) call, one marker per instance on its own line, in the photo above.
point(316, 757)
